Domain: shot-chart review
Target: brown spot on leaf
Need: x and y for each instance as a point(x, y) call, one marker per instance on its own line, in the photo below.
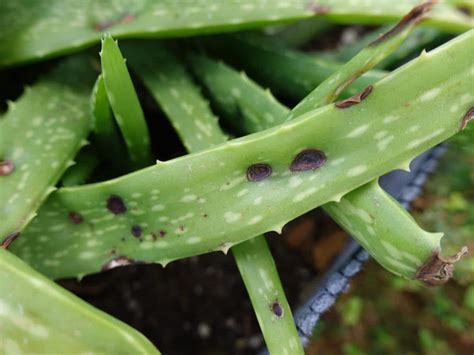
point(101, 26)
point(414, 16)
point(308, 159)
point(277, 309)
point(357, 98)
point(6, 167)
point(258, 172)
point(162, 233)
point(75, 217)
point(467, 118)
point(116, 205)
point(318, 9)
point(127, 18)
point(116, 262)
point(136, 230)
point(9, 240)
point(437, 270)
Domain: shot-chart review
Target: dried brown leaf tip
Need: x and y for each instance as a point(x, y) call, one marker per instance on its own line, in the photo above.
point(258, 172)
point(116, 262)
point(467, 118)
point(9, 240)
point(437, 270)
point(414, 16)
point(6, 167)
point(353, 100)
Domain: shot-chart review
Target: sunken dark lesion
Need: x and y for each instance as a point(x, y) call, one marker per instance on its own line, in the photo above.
point(356, 99)
point(437, 270)
point(116, 205)
point(277, 309)
point(75, 217)
point(413, 17)
point(308, 159)
point(6, 167)
point(6, 242)
point(258, 172)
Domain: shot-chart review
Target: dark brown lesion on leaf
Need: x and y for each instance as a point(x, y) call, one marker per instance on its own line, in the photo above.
point(467, 118)
point(356, 99)
point(136, 231)
point(9, 240)
point(414, 16)
point(6, 167)
point(75, 217)
point(308, 159)
point(437, 270)
point(277, 309)
point(116, 205)
point(258, 172)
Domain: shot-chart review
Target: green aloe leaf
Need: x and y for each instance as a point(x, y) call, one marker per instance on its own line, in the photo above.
point(38, 316)
point(177, 95)
point(32, 30)
point(39, 137)
point(380, 235)
point(171, 85)
point(289, 73)
point(125, 105)
point(229, 187)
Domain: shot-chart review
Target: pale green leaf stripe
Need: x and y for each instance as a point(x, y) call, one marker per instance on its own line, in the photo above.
point(40, 134)
point(32, 29)
point(170, 84)
point(415, 95)
point(125, 105)
point(39, 316)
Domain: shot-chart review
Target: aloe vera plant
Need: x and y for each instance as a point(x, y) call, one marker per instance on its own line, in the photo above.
point(54, 320)
point(252, 174)
point(327, 151)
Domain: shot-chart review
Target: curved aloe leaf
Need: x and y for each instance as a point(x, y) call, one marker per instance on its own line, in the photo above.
point(177, 95)
point(39, 316)
point(39, 136)
point(32, 30)
point(289, 73)
point(170, 84)
point(125, 105)
point(223, 83)
point(416, 95)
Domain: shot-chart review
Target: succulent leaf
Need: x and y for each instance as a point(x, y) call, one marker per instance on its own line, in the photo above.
point(39, 137)
point(176, 93)
point(125, 105)
point(37, 315)
point(415, 95)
